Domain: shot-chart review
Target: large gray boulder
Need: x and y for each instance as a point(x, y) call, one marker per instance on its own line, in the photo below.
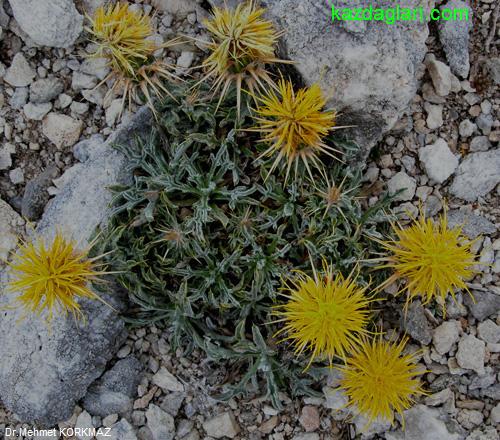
point(368, 67)
point(45, 371)
point(54, 23)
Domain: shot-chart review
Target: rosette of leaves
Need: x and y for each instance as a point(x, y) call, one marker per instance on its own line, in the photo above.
point(202, 240)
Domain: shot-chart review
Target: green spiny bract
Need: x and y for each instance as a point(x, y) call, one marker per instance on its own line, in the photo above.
point(203, 241)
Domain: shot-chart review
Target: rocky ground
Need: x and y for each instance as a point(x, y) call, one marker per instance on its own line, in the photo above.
point(445, 151)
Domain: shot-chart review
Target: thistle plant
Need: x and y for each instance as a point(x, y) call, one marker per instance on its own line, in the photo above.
point(242, 44)
point(294, 125)
point(202, 242)
point(379, 379)
point(51, 277)
point(433, 259)
point(123, 37)
point(326, 314)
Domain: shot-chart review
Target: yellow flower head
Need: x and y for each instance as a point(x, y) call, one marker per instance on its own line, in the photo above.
point(433, 259)
point(378, 379)
point(325, 314)
point(122, 36)
point(242, 44)
point(295, 124)
point(52, 277)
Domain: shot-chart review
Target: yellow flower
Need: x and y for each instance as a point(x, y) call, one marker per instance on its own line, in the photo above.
point(242, 44)
point(295, 124)
point(122, 36)
point(378, 379)
point(325, 314)
point(435, 260)
point(52, 277)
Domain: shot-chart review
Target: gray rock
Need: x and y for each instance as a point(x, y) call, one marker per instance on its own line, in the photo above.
point(445, 336)
point(472, 225)
point(185, 60)
point(45, 90)
point(454, 36)
point(36, 112)
point(11, 228)
point(97, 67)
point(6, 151)
point(477, 175)
point(471, 353)
point(160, 423)
point(20, 73)
point(479, 143)
point(424, 423)
point(466, 128)
point(493, 392)
point(223, 425)
point(4, 18)
point(16, 176)
point(489, 332)
point(62, 130)
point(482, 382)
point(113, 112)
point(121, 430)
point(95, 96)
point(335, 399)
point(485, 122)
point(432, 205)
point(82, 81)
point(43, 372)
point(440, 74)
point(487, 433)
point(369, 71)
point(486, 304)
point(415, 323)
point(493, 67)
point(470, 418)
point(434, 115)
point(83, 423)
point(19, 98)
point(495, 414)
point(114, 393)
point(443, 396)
point(306, 436)
point(172, 403)
point(54, 23)
point(179, 8)
point(401, 181)
point(167, 381)
point(438, 161)
point(35, 194)
point(83, 150)
point(79, 108)
point(368, 430)
point(63, 101)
